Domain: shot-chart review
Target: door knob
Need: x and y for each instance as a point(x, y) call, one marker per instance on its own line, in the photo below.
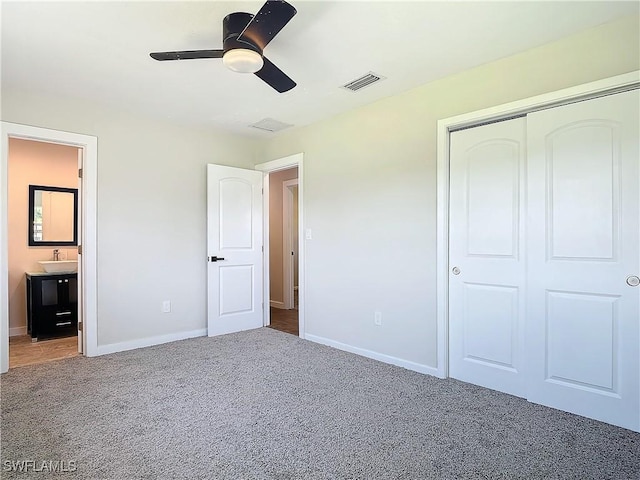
point(215, 259)
point(455, 271)
point(633, 280)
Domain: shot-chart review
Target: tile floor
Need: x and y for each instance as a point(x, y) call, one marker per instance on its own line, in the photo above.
point(22, 351)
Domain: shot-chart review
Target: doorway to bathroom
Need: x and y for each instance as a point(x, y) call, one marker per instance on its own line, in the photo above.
point(79, 287)
point(42, 195)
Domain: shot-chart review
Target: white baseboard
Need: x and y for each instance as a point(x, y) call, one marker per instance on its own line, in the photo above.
point(416, 367)
point(15, 331)
point(276, 304)
point(148, 342)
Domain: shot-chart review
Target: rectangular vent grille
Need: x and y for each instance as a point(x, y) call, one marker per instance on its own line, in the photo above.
point(364, 81)
point(270, 125)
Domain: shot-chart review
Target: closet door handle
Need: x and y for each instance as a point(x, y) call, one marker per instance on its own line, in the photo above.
point(215, 259)
point(633, 280)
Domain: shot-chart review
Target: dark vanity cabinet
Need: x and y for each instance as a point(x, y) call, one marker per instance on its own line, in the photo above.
point(52, 305)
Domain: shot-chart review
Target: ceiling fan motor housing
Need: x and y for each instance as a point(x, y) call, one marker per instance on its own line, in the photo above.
point(244, 37)
point(232, 26)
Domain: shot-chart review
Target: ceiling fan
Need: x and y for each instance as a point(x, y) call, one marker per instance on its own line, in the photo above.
point(244, 38)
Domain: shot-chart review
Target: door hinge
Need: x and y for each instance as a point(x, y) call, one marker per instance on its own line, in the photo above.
point(80, 172)
point(80, 326)
point(79, 249)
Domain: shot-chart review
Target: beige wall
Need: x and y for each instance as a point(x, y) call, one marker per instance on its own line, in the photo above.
point(276, 274)
point(370, 190)
point(32, 163)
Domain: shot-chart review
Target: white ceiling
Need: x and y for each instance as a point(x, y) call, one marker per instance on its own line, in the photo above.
point(100, 51)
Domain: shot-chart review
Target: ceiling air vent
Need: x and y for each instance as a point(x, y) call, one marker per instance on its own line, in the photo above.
point(270, 125)
point(364, 81)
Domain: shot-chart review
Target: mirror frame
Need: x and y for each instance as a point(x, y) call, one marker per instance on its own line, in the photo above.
point(45, 243)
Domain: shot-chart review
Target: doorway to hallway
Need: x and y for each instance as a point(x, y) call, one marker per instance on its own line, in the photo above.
point(283, 250)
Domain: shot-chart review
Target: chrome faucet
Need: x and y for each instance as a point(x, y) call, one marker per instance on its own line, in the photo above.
point(56, 255)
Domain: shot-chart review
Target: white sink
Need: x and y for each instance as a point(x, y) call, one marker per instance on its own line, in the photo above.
point(59, 266)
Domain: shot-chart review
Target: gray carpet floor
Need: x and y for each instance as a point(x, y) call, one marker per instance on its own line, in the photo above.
point(266, 405)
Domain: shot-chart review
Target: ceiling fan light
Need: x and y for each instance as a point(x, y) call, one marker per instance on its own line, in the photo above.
point(243, 60)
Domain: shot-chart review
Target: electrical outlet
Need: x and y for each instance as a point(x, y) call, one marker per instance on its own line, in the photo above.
point(166, 306)
point(377, 318)
point(307, 234)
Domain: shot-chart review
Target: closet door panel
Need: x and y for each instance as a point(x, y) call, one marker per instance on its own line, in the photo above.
point(486, 286)
point(583, 236)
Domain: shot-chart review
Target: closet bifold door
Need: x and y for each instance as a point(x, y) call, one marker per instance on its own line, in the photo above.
point(582, 247)
point(486, 256)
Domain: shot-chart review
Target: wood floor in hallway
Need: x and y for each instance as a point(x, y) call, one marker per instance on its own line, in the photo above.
point(285, 320)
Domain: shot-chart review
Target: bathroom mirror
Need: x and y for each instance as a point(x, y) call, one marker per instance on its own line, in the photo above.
point(53, 216)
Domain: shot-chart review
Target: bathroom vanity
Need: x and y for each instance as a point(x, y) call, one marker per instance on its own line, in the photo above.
point(52, 305)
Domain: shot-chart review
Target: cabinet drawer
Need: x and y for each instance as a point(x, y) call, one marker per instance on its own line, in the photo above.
point(58, 323)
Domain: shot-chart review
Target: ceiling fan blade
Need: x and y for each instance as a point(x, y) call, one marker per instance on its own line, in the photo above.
point(275, 77)
point(187, 55)
point(266, 24)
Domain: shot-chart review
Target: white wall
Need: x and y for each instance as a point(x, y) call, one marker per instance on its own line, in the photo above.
point(370, 190)
point(151, 211)
point(370, 198)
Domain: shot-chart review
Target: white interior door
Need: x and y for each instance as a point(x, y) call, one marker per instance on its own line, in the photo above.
point(234, 249)
point(583, 333)
point(487, 267)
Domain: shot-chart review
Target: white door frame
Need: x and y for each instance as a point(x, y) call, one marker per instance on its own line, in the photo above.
point(87, 262)
point(287, 242)
point(80, 277)
point(598, 88)
point(291, 161)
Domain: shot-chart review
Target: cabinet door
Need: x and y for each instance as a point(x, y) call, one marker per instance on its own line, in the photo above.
point(49, 293)
point(72, 291)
